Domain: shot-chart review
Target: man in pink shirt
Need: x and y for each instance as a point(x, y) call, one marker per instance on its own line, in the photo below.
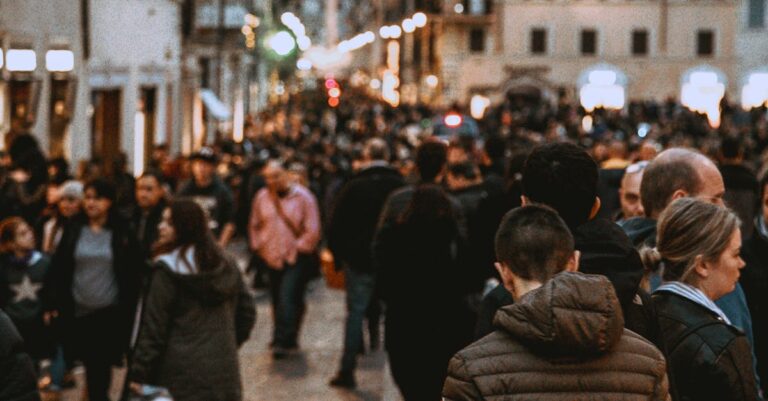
point(284, 230)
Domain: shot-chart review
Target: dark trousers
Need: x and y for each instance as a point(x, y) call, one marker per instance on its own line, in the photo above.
point(98, 340)
point(287, 287)
point(419, 376)
point(360, 287)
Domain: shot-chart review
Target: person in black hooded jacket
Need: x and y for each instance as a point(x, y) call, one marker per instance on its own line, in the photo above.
point(18, 381)
point(197, 314)
point(564, 177)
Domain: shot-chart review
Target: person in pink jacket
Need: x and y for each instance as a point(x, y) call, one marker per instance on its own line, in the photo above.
point(284, 231)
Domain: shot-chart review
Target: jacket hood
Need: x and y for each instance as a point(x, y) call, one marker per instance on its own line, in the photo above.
point(640, 230)
point(572, 315)
point(606, 250)
point(210, 287)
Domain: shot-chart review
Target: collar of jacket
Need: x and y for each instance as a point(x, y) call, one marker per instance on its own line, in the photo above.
point(693, 294)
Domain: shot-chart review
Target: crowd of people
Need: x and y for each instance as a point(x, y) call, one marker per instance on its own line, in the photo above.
point(557, 253)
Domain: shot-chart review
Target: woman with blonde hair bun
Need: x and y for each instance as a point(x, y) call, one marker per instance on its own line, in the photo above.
point(697, 252)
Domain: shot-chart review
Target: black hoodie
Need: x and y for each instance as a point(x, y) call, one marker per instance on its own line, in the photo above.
point(606, 250)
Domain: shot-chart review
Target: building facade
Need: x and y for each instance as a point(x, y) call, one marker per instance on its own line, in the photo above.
point(492, 48)
point(114, 88)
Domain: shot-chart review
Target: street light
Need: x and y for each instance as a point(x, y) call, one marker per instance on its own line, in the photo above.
point(21, 60)
point(420, 19)
point(282, 43)
point(408, 25)
point(395, 32)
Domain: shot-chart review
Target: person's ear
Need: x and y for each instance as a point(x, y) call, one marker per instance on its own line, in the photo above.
point(677, 195)
point(595, 208)
point(701, 267)
point(524, 201)
point(573, 262)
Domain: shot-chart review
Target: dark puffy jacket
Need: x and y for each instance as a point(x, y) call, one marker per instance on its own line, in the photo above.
point(192, 327)
point(18, 381)
point(754, 280)
point(565, 341)
point(708, 359)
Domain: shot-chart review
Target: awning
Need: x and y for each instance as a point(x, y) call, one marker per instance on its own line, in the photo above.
point(216, 107)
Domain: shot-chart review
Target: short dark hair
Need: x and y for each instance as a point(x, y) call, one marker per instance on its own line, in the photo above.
point(431, 156)
point(664, 176)
point(467, 170)
point(731, 147)
point(564, 177)
point(534, 242)
point(103, 188)
point(158, 176)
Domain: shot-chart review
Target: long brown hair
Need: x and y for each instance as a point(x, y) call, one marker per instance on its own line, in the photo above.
point(190, 224)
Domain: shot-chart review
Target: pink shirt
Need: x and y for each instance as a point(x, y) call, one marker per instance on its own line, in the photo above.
point(272, 238)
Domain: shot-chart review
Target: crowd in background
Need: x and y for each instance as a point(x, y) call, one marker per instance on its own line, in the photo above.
point(409, 212)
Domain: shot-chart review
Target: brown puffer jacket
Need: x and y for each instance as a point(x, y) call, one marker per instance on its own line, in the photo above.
point(564, 341)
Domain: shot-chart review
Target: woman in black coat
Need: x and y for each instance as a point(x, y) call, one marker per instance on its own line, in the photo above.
point(94, 279)
point(419, 280)
point(197, 314)
point(708, 358)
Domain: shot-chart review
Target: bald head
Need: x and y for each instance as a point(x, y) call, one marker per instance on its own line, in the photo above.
point(678, 173)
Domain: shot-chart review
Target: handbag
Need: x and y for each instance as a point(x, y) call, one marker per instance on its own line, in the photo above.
point(333, 278)
point(313, 262)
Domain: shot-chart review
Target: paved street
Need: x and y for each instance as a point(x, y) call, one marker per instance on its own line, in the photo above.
point(303, 376)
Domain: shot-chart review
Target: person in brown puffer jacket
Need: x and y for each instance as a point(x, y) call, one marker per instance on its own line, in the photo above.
point(564, 337)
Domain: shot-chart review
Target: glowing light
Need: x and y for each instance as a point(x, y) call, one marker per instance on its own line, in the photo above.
point(586, 123)
point(389, 85)
point(755, 92)
point(246, 30)
point(252, 20)
point(420, 19)
point(59, 60)
point(282, 43)
point(304, 64)
point(384, 32)
point(1, 58)
point(331, 83)
point(393, 56)
point(138, 143)
point(452, 120)
point(333, 102)
point(21, 60)
point(602, 89)
point(408, 25)
point(238, 119)
point(478, 105)
point(606, 96)
point(458, 8)
point(395, 32)
point(304, 43)
point(375, 84)
point(431, 81)
point(602, 77)
point(288, 19)
point(702, 93)
point(370, 37)
point(334, 92)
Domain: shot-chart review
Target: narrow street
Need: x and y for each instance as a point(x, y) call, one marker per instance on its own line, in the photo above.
point(303, 376)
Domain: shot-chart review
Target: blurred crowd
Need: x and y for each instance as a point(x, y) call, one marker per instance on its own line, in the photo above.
point(411, 209)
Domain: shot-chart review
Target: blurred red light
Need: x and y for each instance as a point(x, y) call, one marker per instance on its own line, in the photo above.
point(331, 83)
point(333, 102)
point(453, 120)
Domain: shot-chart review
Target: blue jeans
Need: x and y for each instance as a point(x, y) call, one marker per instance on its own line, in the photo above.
point(360, 287)
point(288, 287)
